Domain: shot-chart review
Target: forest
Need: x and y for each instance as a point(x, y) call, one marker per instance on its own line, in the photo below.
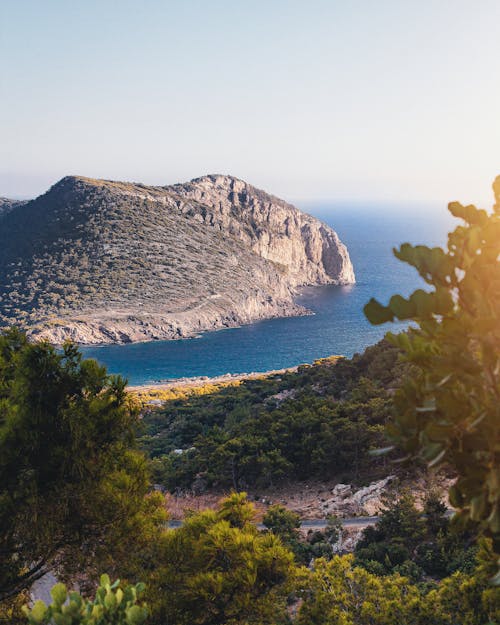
point(321, 421)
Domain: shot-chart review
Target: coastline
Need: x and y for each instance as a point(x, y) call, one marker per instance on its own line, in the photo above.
point(127, 327)
point(200, 381)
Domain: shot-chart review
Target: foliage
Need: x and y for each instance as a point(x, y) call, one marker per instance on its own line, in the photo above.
point(405, 541)
point(469, 599)
point(217, 568)
point(71, 483)
point(339, 593)
point(449, 411)
point(112, 606)
point(318, 422)
point(11, 609)
point(318, 544)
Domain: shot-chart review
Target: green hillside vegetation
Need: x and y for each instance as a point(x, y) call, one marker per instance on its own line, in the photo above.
point(316, 423)
point(418, 546)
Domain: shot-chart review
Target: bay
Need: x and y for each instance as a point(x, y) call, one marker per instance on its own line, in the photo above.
point(338, 325)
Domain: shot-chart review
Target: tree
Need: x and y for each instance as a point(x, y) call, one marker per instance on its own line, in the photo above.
point(339, 593)
point(466, 599)
point(449, 411)
point(390, 545)
point(286, 524)
point(217, 568)
point(282, 522)
point(73, 491)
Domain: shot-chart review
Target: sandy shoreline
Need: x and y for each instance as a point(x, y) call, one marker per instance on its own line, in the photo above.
point(204, 380)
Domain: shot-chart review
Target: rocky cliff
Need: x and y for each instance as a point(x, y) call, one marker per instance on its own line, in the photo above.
point(99, 261)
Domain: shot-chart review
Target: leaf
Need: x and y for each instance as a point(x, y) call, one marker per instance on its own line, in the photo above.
point(429, 405)
point(38, 611)
point(435, 461)
point(376, 313)
point(104, 580)
point(136, 615)
point(402, 308)
point(457, 210)
point(444, 380)
point(59, 593)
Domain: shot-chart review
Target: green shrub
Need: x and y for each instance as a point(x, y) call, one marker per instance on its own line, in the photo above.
point(112, 606)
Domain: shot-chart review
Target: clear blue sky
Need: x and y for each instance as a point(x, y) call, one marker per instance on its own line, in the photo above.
point(352, 99)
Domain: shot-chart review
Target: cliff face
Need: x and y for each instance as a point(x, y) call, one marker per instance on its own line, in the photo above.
point(99, 261)
point(273, 229)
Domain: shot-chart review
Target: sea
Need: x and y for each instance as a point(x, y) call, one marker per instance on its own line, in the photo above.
point(337, 325)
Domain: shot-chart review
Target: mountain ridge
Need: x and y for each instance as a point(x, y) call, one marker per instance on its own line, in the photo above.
point(100, 261)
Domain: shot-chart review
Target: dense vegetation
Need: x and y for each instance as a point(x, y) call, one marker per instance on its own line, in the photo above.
point(218, 569)
point(319, 422)
point(417, 546)
point(73, 490)
point(80, 503)
point(449, 411)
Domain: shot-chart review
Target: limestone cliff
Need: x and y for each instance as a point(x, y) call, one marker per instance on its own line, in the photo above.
point(273, 229)
point(99, 261)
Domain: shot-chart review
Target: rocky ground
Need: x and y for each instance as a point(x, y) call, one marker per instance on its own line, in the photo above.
point(318, 500)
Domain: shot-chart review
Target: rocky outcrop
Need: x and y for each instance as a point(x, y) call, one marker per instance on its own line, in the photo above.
point(346, 501)
point(98, 261)
point(311, 251)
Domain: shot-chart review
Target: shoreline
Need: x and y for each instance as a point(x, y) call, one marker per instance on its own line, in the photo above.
point(197, 381)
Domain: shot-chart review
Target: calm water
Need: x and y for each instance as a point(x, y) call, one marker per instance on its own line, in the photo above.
point(338, 325)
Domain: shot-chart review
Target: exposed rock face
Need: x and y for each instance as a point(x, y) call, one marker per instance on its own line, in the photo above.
point(98, 261)
point(311, 251)
point(345, 501)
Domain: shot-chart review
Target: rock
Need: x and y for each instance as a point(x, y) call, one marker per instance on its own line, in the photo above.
point(342, 491)
point(97, 261)
point(347, 540)
point(272, 228)
point(366, 501)
point(40, 590)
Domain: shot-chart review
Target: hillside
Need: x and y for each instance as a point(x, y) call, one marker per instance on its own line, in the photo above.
point(317, 423)
point(6, 205)
point(99, 261)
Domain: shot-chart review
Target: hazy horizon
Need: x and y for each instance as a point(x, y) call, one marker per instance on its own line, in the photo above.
point(386, 102)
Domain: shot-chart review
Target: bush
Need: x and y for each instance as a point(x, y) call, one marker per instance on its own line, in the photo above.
point(112, 606)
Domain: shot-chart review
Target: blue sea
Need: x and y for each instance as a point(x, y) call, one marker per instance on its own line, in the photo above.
point(338, 325)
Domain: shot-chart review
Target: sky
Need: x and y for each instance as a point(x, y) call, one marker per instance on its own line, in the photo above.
point(352, 100)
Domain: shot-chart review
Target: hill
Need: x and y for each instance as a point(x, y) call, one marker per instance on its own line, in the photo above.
point(318, 422)
point(99, 261)
point(6, 205)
